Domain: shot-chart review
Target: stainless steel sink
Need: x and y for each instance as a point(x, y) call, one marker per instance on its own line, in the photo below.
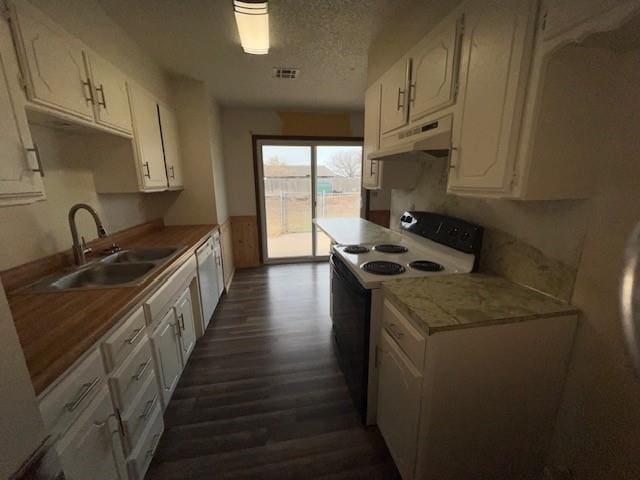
point(127, 268)
point(141, 255)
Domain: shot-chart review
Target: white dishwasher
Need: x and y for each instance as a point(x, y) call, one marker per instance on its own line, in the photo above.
point(208, 279)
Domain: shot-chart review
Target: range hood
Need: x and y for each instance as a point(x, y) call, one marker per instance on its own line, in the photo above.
point(432, 137)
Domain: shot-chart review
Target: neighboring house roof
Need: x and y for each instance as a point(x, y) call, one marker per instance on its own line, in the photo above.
point(289, 171)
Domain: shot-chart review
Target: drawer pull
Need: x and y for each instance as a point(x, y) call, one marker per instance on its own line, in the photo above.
point(136, 333)
point(394, 331)
point(143, 367)
point(84, 392)
point(150, 404)
point(156, 441)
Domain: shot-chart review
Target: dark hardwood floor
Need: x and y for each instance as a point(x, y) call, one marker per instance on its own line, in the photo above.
point(262, 396)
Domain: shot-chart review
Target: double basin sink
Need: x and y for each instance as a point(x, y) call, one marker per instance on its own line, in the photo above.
point(126, 268)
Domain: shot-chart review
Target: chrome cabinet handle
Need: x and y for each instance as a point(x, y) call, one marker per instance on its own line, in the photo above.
point(412, 92)
point(136, 333)
point(90, 98)
point(394, 332)
point(143, 367)
point(401, 93)
point(150, 404)
point(85, 390)
point(182, 321)
point(173, 173)
point(103, 101)
point(35, 150)
point(452, 165)
point(152, 450)
point(146, 165)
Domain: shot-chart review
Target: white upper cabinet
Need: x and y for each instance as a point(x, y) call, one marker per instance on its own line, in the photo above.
point(110, 94)
point(371, 136)
point(20, 169)
point(171, 143)
point(55, 73)
point(394, 107)
point(494, 68)
point(433, 70)
point(148, 140)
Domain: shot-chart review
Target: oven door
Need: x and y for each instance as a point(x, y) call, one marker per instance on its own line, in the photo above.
point(350, 313)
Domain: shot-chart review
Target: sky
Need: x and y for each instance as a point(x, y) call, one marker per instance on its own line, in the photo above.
point(301, 155)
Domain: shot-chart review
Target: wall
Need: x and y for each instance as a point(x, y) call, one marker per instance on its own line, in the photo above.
point(28, 232)
point(197, 202)
point(239, 124)
point(217, 155)
point(21, 427)
point(598, 431)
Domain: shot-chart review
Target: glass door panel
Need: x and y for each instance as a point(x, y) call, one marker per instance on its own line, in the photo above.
point(288, 195)
point(338, 186)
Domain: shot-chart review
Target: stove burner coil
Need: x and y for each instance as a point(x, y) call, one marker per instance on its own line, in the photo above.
point(380, 267)
point(426, 266)
point(356, 249)
point(389, 248)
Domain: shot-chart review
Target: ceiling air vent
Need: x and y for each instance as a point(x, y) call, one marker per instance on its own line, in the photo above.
point(286, 73)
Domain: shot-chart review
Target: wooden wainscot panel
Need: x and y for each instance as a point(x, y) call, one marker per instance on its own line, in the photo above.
point(246, 243)
point(381, 217)
point(226, 241)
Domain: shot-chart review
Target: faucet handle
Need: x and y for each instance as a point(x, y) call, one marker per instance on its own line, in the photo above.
point(85, 249)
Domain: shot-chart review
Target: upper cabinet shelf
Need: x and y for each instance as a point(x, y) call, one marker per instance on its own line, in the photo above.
point(499, 69)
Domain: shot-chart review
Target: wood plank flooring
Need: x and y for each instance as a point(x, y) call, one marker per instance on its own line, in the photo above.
point(262, 396)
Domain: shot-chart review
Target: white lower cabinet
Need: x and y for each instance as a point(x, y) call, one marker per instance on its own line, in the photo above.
point(398, 404)
point(141, 457)
point(167, 351)
point(184, 314)
point(92, 448)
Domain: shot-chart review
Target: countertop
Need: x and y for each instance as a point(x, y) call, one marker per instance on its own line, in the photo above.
point(355, 230)
point(448, 302)
point(55, 329)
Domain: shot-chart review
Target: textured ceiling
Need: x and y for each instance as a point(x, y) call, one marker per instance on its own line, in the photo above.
point(327, 39)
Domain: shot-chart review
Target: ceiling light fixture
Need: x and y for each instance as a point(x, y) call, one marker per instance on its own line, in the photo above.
point(252, 18)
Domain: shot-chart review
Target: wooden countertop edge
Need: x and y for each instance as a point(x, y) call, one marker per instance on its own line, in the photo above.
point(45, 381)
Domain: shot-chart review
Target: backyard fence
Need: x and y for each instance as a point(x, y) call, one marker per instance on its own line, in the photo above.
point(291, 212)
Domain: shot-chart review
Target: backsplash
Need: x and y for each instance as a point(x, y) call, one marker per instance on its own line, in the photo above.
point(30, 232)
point(537, 244)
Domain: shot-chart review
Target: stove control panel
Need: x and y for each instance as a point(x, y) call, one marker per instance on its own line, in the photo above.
point(450, 231)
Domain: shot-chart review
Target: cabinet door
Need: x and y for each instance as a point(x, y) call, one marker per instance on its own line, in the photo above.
point(91, 448)
point(19, 180)
point(166, 345)
point(433, 71)
point(370, 170)
point(148, 140)
point(111, 96)
point(496, 51)
point(171, 144)
point(399, 387)
point(54, 65)
point(393, 100)
point(184, 312)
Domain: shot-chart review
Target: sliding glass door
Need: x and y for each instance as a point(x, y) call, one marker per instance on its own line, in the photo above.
point(298, 182)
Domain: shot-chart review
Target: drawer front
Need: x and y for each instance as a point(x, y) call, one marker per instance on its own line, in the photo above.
point(62, 405)
point(406, 335)
point(141, 412)
point(140, 458)
point(128, 380)
point(163, 299)
point(122, 342)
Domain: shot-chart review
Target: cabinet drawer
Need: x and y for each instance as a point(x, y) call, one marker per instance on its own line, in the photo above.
point(139, 460)
point(163, 299)
point(406, 336)
point(127, 381)
point(62, 405)
point(141, 412)
point(122, 342)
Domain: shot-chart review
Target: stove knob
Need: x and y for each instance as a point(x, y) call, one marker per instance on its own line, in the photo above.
point(454, 231)
point(465, 236)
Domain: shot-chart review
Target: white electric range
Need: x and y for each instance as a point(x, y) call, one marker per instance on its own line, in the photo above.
point(431, 244)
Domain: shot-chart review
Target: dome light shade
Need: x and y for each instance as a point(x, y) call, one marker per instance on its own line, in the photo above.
point(252, 19)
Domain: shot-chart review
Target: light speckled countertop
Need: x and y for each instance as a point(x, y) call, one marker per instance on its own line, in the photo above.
point(448, 302)
point(354, 230)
